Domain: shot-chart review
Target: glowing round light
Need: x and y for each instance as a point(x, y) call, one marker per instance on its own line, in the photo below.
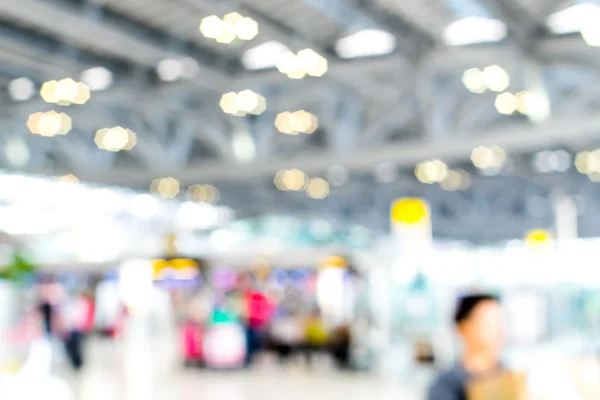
point(247, 101)
point(318, 188)
point(97, 78)
point(166, 187)
point(506, 103)
point(431, 171)
point(70, 178)
point(246, 29)
point(115, 139)
point(474, 80)
point(294, 179)
point(21, 89)
point(409, 211)
point(49, 92)
point(212, 27)
point(287, 63)
point(496, 78)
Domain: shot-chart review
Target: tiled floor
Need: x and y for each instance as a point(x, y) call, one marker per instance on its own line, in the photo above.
point(140, 377)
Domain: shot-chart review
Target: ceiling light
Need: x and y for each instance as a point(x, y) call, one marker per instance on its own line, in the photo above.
point(591, 35)
point(226, 30)
point(306, 62)
point(169, 70)
point(189, 67)
point(212, 27)
point(70, 178)
point(203, 193)
point(243, 103)
point(488, 157)
point(496, 78)
point(17, 152)
point(97, 78)
point(65, 92)
point(474, 80)
point(431, 171)
point(243, 147)
point(115, 139)
point(474, 30)
point(166, 187)
point(246, 29)
point(297, 122)
point(365, 43)
point(317, 188)
point(506, 103)
point(21, 89)
point(452, 182)
point(573, 19)
point(264, 55)
point(290, 180)
point(49, 124)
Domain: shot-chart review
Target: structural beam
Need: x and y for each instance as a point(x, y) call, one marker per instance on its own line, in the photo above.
point(518, 137)
point(73, 27)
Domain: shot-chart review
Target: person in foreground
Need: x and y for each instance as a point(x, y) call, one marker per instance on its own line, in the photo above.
point(478, 319)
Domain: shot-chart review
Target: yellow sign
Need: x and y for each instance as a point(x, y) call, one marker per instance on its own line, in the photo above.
point(335, 262)
point(538, 238)
point(409, 211)
point(179, 267)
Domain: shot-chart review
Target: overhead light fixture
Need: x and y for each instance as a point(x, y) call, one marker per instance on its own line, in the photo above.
point(317, 188)
point(573, 19)
point(366, 43)
point(473, 30)
point(493, 157)
point(496, 78)
point(115, 139)
point(430, 172)
point(297, 122)
point(70, 178)
point(65, 92)
point(552, 161)
point(173, 69)
point(97, 78)
point(21, 89)
point(17, 152)
point(203, 193)
point(474, 81)
point(243, 146)
point(243, 103)
point(290, 180)
point(49, 123)
point(168, 187)
point(306, 62)
point(506, 103)
point(264, 55)
point(226, 30)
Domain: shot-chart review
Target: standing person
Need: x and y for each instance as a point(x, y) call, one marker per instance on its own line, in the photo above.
point(76, 324)
point(478, 320)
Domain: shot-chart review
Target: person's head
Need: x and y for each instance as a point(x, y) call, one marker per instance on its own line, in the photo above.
point(478, 319)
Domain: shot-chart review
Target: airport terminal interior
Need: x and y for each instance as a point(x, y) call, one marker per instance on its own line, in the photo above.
point(266, 199)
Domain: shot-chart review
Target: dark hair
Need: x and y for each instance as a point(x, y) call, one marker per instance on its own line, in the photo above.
point(468, 303)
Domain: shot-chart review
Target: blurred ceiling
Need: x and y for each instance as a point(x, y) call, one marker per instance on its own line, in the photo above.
point(376, 112)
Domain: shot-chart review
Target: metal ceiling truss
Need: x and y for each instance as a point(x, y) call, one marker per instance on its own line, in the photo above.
point(403, 108)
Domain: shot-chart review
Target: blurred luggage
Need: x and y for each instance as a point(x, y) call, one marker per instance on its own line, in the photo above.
point(191, 337)
point(502, 386)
